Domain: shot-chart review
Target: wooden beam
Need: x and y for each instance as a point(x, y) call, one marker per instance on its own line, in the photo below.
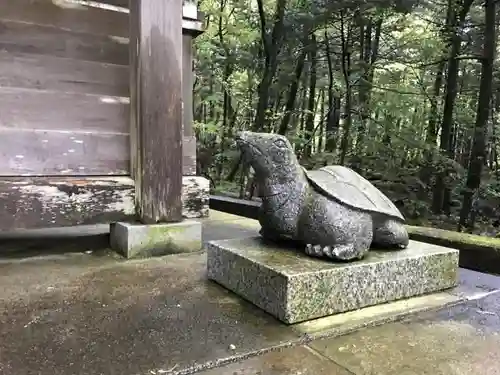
point(42, 202)
point(67, 16)
point(42, 72)
point(27, 37)
point(51, 133)
point(48, 153)
point(156, 108)
point(235, 206)
point(117, 3)
point(62, 111)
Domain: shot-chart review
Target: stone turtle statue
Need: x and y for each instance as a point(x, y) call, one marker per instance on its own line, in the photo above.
point(333, 211)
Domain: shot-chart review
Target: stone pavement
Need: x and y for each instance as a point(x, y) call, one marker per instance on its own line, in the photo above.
point(94, 313)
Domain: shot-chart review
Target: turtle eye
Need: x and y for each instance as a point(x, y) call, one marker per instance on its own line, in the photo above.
point(280, 143)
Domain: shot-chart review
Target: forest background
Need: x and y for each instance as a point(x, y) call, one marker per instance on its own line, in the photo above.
point(405, 92)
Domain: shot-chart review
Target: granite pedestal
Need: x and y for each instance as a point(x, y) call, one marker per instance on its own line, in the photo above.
point(135, 240)
point(295, 287)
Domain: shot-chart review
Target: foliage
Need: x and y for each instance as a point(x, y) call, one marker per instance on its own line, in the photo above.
point(368, 84)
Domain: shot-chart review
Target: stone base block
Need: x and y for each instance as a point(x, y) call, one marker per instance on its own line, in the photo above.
point(134, 240)
point(295, 287)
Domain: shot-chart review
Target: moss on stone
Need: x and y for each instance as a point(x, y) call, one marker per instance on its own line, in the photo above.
point(457, 238)
point(164, 239)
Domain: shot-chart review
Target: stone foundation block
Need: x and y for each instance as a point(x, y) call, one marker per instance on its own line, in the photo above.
point(135, 240)
point(295, 287)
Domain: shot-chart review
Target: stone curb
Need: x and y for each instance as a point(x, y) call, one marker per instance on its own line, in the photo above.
point(478, 253)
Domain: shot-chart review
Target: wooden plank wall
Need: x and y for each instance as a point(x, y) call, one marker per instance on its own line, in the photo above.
point(64, 90)
point(64, 108)
point(67, 49)
point(64, 115)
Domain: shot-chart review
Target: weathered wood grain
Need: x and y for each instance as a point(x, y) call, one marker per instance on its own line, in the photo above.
point(54, 73)
point(28, 203)
point(34, 109)
point(45, 153)
point(44, 202)
point(65, 15)
point(48, 40)
point(156, 34)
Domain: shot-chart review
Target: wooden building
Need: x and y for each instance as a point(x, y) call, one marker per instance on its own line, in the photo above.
point(92, 126)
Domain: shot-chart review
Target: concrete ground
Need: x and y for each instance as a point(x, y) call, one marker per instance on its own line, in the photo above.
point(83, 310)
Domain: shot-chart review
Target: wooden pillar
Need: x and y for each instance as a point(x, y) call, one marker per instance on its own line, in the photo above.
point(156, 108)
point(189, 143)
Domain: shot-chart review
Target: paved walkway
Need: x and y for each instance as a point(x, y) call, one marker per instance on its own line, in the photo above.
point(94, 313)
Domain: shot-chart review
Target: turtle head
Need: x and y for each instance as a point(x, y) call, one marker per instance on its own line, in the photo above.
point(270, 155)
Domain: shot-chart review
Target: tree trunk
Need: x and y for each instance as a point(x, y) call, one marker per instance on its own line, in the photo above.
point(322, 122)
point(226, 106)
point(440, 201)
point(211, 92)
point(369, 58)
point(494, 137)
point(478, 152)
point(292, 94)
point(303, 106)
point(432, 129)
point(388, 130)
point(492, 149)
point(312, 97)
point(346, 70)
point(333, 118)
point(272, 44)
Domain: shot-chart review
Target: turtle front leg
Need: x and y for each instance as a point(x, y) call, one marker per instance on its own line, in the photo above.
point(268, 235)
point(335, 231)
point(344, 252)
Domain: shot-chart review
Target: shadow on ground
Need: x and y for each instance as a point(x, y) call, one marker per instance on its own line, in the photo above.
point(31, 243)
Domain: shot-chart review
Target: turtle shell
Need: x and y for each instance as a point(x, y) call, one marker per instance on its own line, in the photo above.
point(348, 187)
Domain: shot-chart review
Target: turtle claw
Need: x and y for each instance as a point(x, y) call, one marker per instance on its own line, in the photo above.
point(347, 252)
point(327, 250)
point(318, 251)
point(313, 250)
point(339, 252)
